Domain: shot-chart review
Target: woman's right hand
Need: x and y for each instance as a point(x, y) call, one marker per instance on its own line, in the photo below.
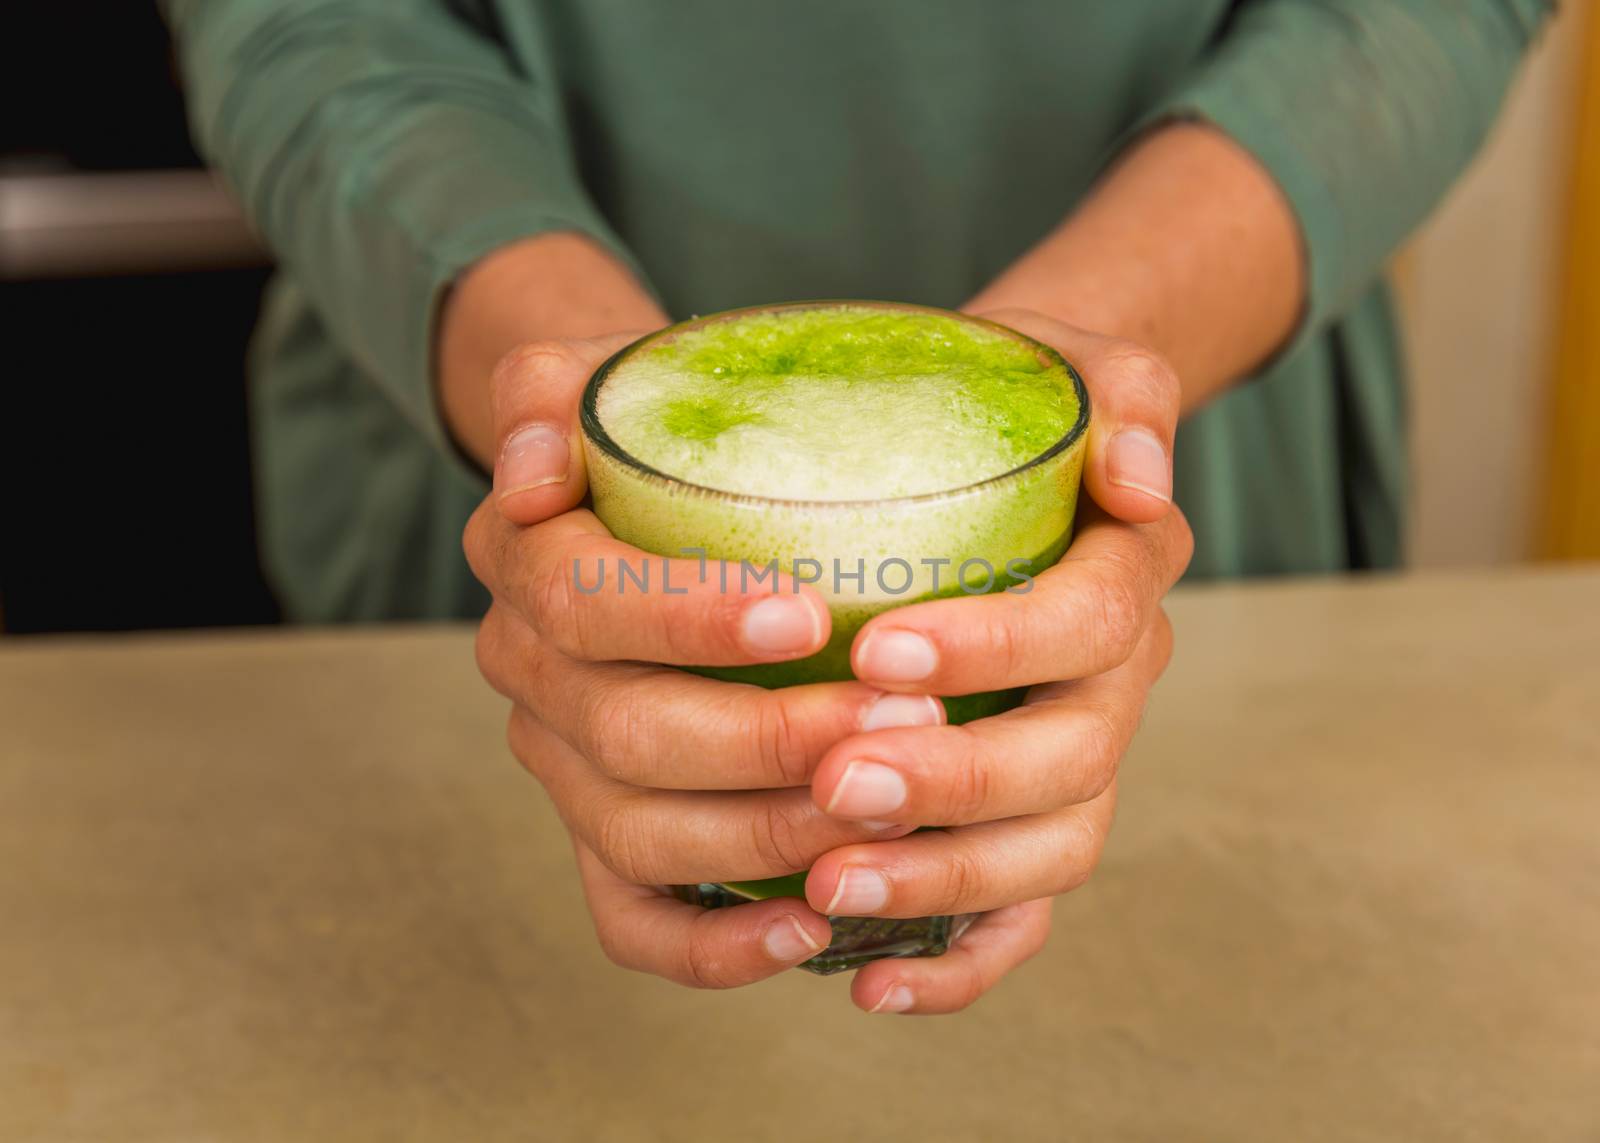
point(663, 777)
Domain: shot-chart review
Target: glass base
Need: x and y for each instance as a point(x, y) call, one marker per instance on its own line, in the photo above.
point(856, 940)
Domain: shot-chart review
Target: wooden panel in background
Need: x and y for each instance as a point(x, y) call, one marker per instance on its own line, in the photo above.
point(1572, 504)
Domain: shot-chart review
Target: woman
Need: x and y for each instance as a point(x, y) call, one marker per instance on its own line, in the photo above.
point(474, 202)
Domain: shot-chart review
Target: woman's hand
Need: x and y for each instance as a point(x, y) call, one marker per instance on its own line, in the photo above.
point(1028, 795)
point(663, 777)
point(623, 746)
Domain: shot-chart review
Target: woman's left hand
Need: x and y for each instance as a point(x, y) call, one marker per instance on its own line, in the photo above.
point(1028, 795)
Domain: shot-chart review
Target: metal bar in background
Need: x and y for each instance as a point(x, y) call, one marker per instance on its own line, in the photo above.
point(95, 225)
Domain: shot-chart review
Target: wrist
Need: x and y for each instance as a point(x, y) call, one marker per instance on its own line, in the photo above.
point(551, 286)
point(1185, 246)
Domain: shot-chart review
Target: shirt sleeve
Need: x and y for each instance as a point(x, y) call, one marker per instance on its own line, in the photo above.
point(381, 147)
point(1363, 111)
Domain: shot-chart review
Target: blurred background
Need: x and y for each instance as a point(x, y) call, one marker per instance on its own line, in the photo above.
point(129, 285)
point(128, 288)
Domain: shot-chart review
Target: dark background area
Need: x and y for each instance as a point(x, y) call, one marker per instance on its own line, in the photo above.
point(124, 454)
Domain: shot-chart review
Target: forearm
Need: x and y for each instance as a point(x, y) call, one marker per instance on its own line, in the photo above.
point(1186, 246)
point(558, 285)
point(1337, 126)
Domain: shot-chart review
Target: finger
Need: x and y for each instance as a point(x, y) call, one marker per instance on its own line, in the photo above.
point(1134, 395)
point(996, 943)
point(680, 837)
point(595, 597)
point(645, 930)
point(1061, 748)
point(534, 395)
point(648, 725)
point(968, 869)
point(1082, 616)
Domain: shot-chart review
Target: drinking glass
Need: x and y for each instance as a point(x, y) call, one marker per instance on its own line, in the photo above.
point(865, 556)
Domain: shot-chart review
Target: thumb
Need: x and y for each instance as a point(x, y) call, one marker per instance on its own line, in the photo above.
point(1133, 394)
point(533, 395)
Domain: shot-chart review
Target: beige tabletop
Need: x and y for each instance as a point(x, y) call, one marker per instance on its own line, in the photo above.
point(291, 887)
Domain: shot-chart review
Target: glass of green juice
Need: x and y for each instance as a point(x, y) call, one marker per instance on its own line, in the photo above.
point(885, 453)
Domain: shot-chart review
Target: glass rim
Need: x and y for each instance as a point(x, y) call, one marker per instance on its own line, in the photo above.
point(595, 432)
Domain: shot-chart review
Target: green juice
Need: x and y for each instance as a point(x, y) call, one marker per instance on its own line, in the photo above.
point(884, 453)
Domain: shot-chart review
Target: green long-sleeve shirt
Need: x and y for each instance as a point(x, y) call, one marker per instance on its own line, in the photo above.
point(740, 152)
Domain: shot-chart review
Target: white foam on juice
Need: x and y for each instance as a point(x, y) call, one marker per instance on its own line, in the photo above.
point(841, 403)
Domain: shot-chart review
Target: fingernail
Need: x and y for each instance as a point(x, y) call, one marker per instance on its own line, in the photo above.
point(534, 455)
point(896, 999)
point(867, 790)
point(903, 710)
point(787, 941)
point(896, 657)
point(860, 892)
point(780, 625)
point(1136, 459)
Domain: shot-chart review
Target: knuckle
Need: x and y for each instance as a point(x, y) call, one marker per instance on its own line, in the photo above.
point(1035, 941)
point(623, 842)
point(712, 620)
point(1185, 550)
point(1075, 874)
point(616, 950)
point(517, 738)
point(1079, 858)
point(961, 883)
point(1107, 734)
point(619, 734)
point(1142, 368)
point(705, 964)
point(555, 610)
point(969, 785)
point(780, 736)
point(488, 650)
point(475, 540)
point(776, 837)
point(506, 663)
point(488, 541)
point(533, 357)
point(525, 737)
point(971, 987)
point(1161, 636)
point(681, 639)
point(1119, 615)
point(1006, 642)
